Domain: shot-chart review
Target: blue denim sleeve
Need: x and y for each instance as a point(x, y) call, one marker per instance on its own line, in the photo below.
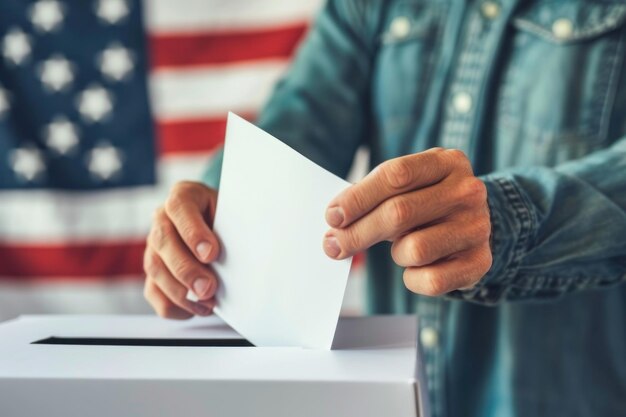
point(318, 108)
point(556, 230)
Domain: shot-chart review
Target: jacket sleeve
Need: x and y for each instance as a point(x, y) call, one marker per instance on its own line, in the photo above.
point(319, 107)
point(556, 230)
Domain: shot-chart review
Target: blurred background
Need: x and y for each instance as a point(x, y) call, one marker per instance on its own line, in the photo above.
point(104, 104)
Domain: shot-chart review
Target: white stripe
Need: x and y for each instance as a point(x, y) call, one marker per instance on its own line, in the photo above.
point(38, 216)
point(185, 16)
point(212, 92)
point(124, 297)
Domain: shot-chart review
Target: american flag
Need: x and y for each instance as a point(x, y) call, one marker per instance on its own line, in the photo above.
point(104, 104)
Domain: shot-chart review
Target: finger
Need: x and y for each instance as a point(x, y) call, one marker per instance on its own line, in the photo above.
point(170, 286)
point(438, 241)
point(392, 178)
point(161, 304)
point(191, 208)
point(393, 218)
point(167, 244)
point(461, 271)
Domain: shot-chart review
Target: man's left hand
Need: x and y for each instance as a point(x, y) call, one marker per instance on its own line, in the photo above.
point(433, 209)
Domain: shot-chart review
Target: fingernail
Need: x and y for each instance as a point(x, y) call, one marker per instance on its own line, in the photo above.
point(202, 310)
point(204, 250)
point(334, 216)
point(331, 246)
point(200, 286)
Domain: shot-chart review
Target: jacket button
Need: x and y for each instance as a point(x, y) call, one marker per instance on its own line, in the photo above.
point(429, 337)
point(563, 28)
point(400, 27)
point(490, 9)
point(462, 102)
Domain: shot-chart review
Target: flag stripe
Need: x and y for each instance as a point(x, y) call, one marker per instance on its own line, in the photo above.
point(86, 296)
point(189, 50)
point(85, 261)
point(192, 136)
point(46, 262)
point(211, 92)
point(193, 16)
point(37, 216)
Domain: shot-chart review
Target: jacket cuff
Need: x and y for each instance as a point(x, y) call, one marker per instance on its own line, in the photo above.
point(512, 225)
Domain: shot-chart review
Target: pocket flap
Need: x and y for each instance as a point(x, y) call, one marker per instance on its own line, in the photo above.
point(570, 21)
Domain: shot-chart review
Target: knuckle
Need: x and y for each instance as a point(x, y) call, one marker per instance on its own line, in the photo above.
point(398, 212)
point(424, 281)
point(479, 189)
point(434, 284)
point(354, 201)
point(410, 280)
point(182, 188)
point(457, 156)
point(473, 191)
point(151, 264)
point(486, 261)
point(397, 173)
point(162, 232)
point(459, 160)
point(417, 251)
point(190, 234)
point(174, 203)
point(181, 192)
point(183, 271)
point(483, 230)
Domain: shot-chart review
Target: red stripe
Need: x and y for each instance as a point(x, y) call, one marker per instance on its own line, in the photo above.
point(359, 260)
point(191, 136)
point(176, 50)
point(98, 260)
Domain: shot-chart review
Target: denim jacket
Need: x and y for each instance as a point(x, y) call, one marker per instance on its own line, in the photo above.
point(534, 92)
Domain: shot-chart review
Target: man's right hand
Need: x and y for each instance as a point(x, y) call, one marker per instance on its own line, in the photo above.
point(180, 247)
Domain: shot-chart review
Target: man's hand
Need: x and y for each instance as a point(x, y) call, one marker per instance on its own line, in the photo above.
point(180, 246)
point(433, 209)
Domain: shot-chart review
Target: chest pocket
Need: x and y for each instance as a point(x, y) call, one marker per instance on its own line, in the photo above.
point(560, 80)
point(408, 48)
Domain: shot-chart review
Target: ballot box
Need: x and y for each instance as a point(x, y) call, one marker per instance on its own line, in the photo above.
point(146, 366)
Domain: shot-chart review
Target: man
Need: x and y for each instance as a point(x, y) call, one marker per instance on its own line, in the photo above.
point(509, 234)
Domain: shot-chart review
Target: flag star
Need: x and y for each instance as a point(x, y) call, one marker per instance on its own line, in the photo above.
point(116, 62)
point(47, 15)
point(27, 163)
point(61, 136)
point(112, 11)
point(4, 101)
point(16, 46)
point(94, 103)
point(104, 161)
point(56, 73)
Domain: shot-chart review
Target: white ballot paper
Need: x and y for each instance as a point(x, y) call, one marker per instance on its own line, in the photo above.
point(277, 286)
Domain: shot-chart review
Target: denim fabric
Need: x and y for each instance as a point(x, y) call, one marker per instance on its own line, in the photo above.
point(534, 92)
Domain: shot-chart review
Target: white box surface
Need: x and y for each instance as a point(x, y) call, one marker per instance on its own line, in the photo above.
point(371, 371)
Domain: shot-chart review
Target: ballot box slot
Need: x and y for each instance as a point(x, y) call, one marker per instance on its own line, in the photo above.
point(110, 341)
